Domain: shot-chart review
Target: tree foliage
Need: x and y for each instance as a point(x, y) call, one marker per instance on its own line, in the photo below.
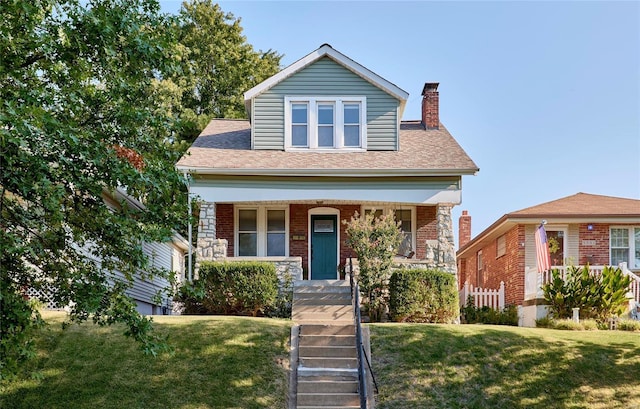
point(375, 241)
point(218, 67)
point(79, 120)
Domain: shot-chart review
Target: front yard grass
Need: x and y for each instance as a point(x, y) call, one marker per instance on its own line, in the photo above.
point(240, 362)
point(486, 366)
point(218, 362)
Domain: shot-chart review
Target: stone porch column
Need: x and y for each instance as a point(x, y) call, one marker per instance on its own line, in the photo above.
point(446, 238)
point(208, 247)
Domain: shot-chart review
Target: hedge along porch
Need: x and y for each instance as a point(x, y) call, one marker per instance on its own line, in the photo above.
point(312, 237)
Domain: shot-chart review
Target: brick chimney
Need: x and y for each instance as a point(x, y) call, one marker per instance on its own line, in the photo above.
point(430, 106)
point(464, 229)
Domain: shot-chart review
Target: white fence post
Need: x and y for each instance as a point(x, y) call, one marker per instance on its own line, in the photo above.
point(501, 295)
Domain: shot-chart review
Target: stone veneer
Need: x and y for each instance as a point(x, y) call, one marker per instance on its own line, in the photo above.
point(441, 253)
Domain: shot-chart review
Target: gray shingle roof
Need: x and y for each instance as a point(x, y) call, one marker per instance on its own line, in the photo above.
point(225, 144)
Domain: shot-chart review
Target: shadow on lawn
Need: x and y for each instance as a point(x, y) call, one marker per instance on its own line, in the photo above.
point(218, 363)
point(429, 366)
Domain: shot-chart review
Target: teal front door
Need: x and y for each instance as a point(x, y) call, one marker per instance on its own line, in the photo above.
point(324, 247)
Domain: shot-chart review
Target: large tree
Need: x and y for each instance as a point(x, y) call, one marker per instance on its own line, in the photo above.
point(220, 63)
point(79, 119)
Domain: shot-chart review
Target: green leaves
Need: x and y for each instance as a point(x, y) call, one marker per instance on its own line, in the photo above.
point(422, 295)
point(597, 296)
point(218, 66)
point(375, 241)
point(231, 288)
point(76, 83)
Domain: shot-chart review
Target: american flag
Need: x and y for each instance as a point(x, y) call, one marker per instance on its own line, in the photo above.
point(542, 250)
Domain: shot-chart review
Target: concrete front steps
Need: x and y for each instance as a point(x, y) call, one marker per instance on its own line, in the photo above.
point(327, 375)
point(322, 301)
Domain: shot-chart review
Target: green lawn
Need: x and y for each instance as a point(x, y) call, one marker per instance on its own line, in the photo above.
point(485, 366)
point(219, 362)
point(232, 362)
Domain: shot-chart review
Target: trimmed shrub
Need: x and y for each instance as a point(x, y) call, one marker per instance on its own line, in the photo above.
point(284, 301)
point(569, 324)
point(486, 315)
point(420, 295)
point(629, 325)
point(231, 288)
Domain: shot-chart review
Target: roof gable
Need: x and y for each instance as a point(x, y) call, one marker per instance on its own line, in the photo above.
point(327, 51)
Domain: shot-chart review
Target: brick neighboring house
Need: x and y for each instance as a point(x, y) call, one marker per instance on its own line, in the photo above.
point(325, 140)
point(582, 229)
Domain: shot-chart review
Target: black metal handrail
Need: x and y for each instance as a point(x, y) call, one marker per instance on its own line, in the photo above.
point(362, 382)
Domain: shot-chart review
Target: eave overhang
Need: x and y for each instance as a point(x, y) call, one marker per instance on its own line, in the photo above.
point(327, 172)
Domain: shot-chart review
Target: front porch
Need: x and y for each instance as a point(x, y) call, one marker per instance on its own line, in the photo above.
point(308, 240)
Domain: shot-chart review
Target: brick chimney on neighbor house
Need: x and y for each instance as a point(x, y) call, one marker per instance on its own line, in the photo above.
point(430, 106)
point(464, 229)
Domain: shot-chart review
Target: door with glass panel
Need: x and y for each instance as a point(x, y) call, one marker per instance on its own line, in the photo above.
point(324, 247)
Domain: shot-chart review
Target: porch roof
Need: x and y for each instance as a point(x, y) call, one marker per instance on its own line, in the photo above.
point(224, 147)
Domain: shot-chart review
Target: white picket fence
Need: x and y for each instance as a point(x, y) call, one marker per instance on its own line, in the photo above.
point(482, 297)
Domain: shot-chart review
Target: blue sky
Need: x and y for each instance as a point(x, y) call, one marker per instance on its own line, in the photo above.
point(544, 96)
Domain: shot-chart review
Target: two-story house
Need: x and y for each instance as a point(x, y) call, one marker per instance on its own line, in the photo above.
point(325, 140)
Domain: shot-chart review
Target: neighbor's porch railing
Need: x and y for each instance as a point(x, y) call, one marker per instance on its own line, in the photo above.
point(482, 297)
point(534, 281)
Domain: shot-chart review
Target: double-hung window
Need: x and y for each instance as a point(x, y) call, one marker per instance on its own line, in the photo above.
point(405, 218)
point(300, 125)
point(326, 123)
point(261, 231)
point(624, 243)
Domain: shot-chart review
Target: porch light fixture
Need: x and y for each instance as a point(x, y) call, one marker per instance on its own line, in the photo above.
point(589, 226)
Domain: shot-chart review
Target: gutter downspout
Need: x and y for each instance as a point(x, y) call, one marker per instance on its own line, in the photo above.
point(190, 227)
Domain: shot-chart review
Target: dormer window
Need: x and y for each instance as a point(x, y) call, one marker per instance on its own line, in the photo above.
point(325, 123)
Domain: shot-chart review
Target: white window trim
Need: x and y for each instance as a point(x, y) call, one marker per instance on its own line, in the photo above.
point(312, 125)
point(261, 226)
point(389, 210)
point(632, 245)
